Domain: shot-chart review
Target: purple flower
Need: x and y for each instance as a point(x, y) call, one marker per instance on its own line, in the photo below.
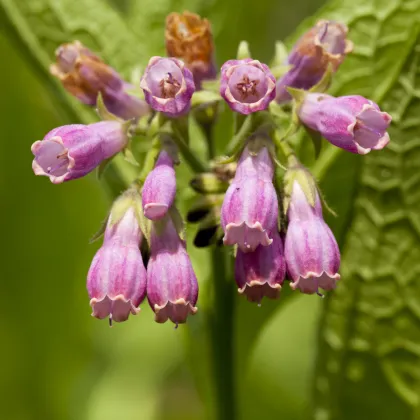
point(352, 123)
point(312, 254)
point(159, 188)
point(247, 85)
point(116, 280)
point(72, 151)
point(172, 288)
point(85, 75)
point(168, 86)
point(250, 208)
point(261, 273)
point(322, 45)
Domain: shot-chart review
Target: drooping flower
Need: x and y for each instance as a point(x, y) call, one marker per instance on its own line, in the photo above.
point(324, 44)
point(72, 151)
point(159, 188)
point(189, 37)
point(312, 254)
point(247, 85)
point(85, 75)
point(116, 280)
point(250, 208)
point(172, 288)
point(261, 273)
point(168, 86)
point(353, 123)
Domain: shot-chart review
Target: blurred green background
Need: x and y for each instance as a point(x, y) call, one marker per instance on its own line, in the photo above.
point(58, 363)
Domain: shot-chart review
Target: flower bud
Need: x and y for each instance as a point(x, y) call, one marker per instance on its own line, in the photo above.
point(250, 208)
point(247, 85)
point(116, 280)
point(159, 188)
point(325, 44)
point(85, 75)
point(172, 288)
point(189, 38)
point(261, 273)
point(353, 123)
point(168, 86)
point(312, 254)
point(72, 151)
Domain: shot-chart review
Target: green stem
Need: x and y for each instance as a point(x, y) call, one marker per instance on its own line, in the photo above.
point(284, 146)
point(180, 138)
point(243, 129)
point(208, 132)
point(221, 323)
point(195, 164)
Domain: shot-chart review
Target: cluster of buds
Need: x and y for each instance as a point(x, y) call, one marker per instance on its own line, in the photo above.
point(262, 200)
point(118, 281)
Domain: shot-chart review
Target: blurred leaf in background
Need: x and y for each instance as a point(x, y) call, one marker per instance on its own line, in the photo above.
point(58, 363)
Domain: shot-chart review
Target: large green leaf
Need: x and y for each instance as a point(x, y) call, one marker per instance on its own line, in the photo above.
point(369, 358)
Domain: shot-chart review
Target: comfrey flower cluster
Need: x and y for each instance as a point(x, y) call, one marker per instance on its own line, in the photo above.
point(261, 201)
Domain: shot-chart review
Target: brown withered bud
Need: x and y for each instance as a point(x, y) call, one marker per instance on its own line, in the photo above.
point(189, 38)
point(85, 75)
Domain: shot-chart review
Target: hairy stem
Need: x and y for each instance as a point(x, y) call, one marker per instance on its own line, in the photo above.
point(180, 138)
point(221, 323)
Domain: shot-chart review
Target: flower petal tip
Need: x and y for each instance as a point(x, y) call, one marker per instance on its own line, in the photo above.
point(177, 311)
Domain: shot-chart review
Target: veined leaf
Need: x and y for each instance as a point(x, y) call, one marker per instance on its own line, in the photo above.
point(40, 26)
point(369, 357)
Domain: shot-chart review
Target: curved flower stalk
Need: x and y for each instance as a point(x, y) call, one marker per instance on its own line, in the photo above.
point(189, 37)
point(353, 123)
point(250, 208)
point(168, 86)
point(323, 45)
point(85, 75)
point(117, 278)
point(172, 288)
point(72, 151)
point(159, 188)
point(311, 251)
point(247, 85)
point(261, 273)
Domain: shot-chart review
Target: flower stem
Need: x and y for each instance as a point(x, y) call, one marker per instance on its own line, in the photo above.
point(180, 138)
point(221, 322)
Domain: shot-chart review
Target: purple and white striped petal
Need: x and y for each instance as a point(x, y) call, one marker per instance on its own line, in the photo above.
point(323, 45)
point(117, 277)
point(311, 251)
point(159, 188)
point(353, 123)
point(247, 85)
point(172, 288)
point(72, 151)
point(261, 273)
point(168, 86)
point(249, 213)
point(250, 207)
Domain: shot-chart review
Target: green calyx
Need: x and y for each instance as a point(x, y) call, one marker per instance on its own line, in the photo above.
point(298, 173)
point(280, 55)
point(243, 51)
